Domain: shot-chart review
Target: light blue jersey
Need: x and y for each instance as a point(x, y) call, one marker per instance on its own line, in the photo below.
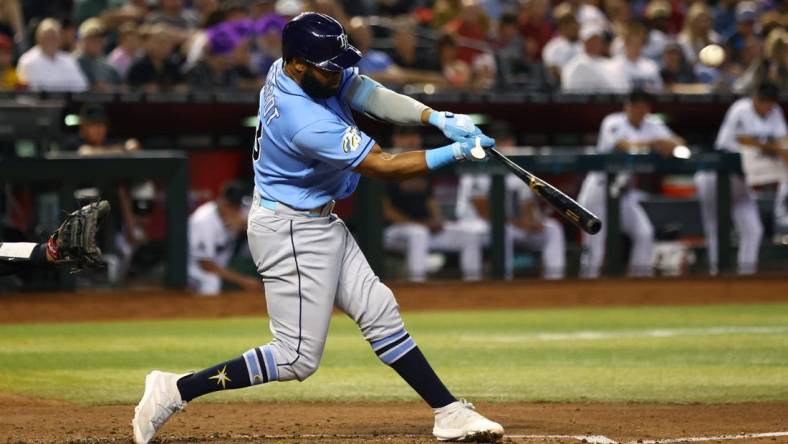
point(305, 149)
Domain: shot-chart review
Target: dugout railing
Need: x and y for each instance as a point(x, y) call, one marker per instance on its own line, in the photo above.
point(370, 197)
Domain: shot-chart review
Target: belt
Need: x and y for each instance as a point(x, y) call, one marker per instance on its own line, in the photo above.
point(279, 207)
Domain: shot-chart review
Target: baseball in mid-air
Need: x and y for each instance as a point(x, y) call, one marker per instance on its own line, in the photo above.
point(712, 55)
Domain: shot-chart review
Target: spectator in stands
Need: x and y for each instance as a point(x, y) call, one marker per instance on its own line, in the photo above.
point(113, 13)
point(471, 27)
point(214, 230)
point(205, 9)
point(68, 36)
point(772, 66)
point(8, 79)
point(173, 13)
point(225, 64)
point(588, 14)
point(508, 48)
point(407, 54)
point(632, 70)
point(526, 226)
point(158, 70)
point(631, 131)
point(620, 16)
point(101, 76)
point(268, 39)
point(737, 42)
point(45, 67)
point(127, 50)
point(565, 46)
point(676, 72)
point(725, 17)
point(657, 19)
point(372, 60)
point(379, 65)
point(697, 32)
point(416, 225)
point(12, 23)
point(535, 27)
point(587, 72)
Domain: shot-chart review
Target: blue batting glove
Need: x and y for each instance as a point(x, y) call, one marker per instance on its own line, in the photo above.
point(454, 126)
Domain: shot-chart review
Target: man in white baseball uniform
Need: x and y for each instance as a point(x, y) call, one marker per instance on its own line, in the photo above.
point(752, 123)
point(634, 130)
point(417, 225)
point(526, 226)
point(214, 229)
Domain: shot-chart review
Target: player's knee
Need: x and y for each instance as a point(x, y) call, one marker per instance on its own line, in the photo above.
point(418, 234)
point(304, 368)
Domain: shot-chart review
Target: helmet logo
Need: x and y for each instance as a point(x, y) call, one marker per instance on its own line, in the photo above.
point(342, 41)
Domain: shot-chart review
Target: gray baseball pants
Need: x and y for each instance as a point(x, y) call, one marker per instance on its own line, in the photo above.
point(310, 263)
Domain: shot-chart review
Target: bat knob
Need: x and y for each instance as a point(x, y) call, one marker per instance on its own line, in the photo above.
point(594, 226)
point(477, 152)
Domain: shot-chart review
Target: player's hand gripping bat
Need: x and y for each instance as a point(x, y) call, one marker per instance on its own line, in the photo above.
point(563, 204)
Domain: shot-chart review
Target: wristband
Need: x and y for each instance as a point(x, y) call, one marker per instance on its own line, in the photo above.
point(440, 157)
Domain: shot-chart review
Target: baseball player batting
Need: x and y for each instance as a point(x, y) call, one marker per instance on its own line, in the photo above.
point(308, 151)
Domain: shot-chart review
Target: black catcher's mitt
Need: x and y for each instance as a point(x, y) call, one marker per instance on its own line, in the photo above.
point(74, 243)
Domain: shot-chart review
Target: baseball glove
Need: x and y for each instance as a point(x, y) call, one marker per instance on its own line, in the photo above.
point(74, 243)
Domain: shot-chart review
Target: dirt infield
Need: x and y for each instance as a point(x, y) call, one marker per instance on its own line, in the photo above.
point(156, 303)
point(25, 420)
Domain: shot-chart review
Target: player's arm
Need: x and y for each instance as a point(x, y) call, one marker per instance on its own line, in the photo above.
point(243, 281)
point(373, 99)
point(379, 164)
point(14, 256)
point(531, 218)
point(769, 147)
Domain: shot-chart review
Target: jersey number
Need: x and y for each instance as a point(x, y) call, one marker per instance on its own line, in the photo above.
point(257, 133)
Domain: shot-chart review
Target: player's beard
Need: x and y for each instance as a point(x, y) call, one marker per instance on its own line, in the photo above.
point(312, 86)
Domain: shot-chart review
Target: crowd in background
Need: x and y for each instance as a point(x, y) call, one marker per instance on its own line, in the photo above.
point(424, 45)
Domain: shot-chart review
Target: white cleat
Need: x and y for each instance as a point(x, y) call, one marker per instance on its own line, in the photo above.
point(459, 421)
point(160, 400)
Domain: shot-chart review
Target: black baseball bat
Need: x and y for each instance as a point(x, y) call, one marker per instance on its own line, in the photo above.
point(563, 204)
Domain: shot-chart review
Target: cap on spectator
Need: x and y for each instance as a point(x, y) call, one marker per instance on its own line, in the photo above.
point(92, 113)
point(6, 44)
point(268, 23)
point(222, 40)
point(640, 95)
point(657, 9)
point(563, 13)
point(233, 192)
point(768, 91)
point(746, 11)
point(591, 30)
point(92, 27)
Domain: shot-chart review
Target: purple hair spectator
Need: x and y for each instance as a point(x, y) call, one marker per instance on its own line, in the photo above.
point(268, 40)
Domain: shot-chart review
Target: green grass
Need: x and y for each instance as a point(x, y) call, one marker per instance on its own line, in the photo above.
point(709, 354)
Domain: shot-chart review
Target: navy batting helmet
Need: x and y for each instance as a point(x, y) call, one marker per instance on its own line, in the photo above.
point(320, 41)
